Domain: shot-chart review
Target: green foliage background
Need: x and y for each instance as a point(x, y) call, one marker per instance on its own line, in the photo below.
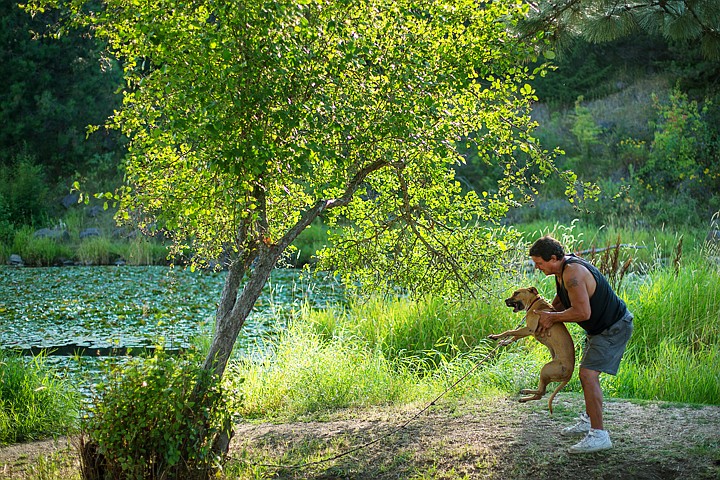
point(615, 108)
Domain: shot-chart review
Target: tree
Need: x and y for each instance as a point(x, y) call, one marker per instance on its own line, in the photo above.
point(689, 21)
point(249, 120)
point(50, 90)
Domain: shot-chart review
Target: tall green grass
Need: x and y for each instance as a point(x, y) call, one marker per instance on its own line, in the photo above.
point(307, 374)
point(431, 330)
point(39, 251)
point(674, 353)
point(388, 351)
point(142, 251)
point(33, 402)
point(383, 352)
point(655, 247)
point(98, 250)
point(672, 371)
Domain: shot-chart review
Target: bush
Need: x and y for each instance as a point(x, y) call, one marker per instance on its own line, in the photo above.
point(25, 190)
point(145, 424)
point(7, 231)
point(33, 402)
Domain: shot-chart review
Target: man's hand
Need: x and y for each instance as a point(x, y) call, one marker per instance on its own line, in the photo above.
point(545, 321)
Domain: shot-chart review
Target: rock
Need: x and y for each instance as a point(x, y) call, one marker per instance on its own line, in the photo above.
point(54, 233)
point(90, 232)
point(16, 260)
point(70, 200)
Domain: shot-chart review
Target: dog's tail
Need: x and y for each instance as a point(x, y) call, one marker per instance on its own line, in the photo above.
point(557, 389)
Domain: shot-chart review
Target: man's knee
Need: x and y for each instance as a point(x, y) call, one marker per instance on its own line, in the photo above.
point(588, 376)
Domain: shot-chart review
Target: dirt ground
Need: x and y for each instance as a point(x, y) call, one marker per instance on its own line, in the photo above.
point(489, 439)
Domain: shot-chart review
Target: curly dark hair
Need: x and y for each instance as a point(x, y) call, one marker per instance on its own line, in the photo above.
point(546, 247)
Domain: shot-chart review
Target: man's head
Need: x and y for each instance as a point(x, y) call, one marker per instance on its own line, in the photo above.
point(546, 247)
point(548, 255)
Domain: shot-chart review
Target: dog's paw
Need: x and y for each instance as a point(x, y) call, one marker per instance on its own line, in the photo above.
point(494, 336)
point(506, 342)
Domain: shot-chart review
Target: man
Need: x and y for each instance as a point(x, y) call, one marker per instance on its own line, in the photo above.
point(585, 297)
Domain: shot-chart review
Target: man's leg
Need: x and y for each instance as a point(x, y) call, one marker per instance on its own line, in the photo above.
point(590, 380)
point(597, 438)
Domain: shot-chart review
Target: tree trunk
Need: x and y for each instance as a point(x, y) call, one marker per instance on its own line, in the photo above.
point(234, 310)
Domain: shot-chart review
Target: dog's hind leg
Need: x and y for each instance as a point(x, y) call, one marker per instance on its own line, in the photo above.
point(551, 372)
point(535, 394)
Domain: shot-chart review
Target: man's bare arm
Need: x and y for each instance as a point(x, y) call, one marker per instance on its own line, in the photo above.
point(576, 282)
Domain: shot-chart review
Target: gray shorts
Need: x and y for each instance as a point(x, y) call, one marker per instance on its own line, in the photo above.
point(603, 352)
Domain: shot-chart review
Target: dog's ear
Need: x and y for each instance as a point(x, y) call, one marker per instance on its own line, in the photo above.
point(533, 290)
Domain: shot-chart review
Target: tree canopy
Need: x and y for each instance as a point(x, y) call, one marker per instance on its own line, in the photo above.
point(683, 21)
point(50, 90)
point(248, 119)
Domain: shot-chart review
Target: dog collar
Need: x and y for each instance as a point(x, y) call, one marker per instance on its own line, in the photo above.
point(533, 303)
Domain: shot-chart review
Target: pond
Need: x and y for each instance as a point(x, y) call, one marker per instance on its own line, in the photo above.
point(81, 314)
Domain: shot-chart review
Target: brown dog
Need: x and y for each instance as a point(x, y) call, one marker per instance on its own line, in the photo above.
point(557, 339)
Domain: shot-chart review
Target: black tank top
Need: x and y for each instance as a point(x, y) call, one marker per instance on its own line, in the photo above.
point(606, 307)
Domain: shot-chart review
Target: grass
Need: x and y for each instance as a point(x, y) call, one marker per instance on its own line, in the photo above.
point(96, 250)
point(33, 402)
point(656, 247)
point(325, 376)
point(395, 352)
point(60, 465)
point(381, 351)
point(135, 250)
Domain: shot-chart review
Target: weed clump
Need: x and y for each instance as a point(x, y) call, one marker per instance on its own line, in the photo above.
point(154, 418)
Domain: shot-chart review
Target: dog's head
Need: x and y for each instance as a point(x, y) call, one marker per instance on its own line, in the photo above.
point(521, 298)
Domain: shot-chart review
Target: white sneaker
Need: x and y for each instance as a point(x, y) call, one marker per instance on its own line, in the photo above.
point(594, 441)
point(580, 428)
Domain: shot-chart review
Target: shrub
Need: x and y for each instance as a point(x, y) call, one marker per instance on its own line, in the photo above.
point(6, 227)
point(25, 190)
point(145, 424)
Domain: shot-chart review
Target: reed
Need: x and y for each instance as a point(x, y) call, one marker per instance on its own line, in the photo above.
point(39, 251)
point(672, 371)
point(432, 328)
point(96, 251)
point(143, 251)
point(684, 307)
point(649, 249)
